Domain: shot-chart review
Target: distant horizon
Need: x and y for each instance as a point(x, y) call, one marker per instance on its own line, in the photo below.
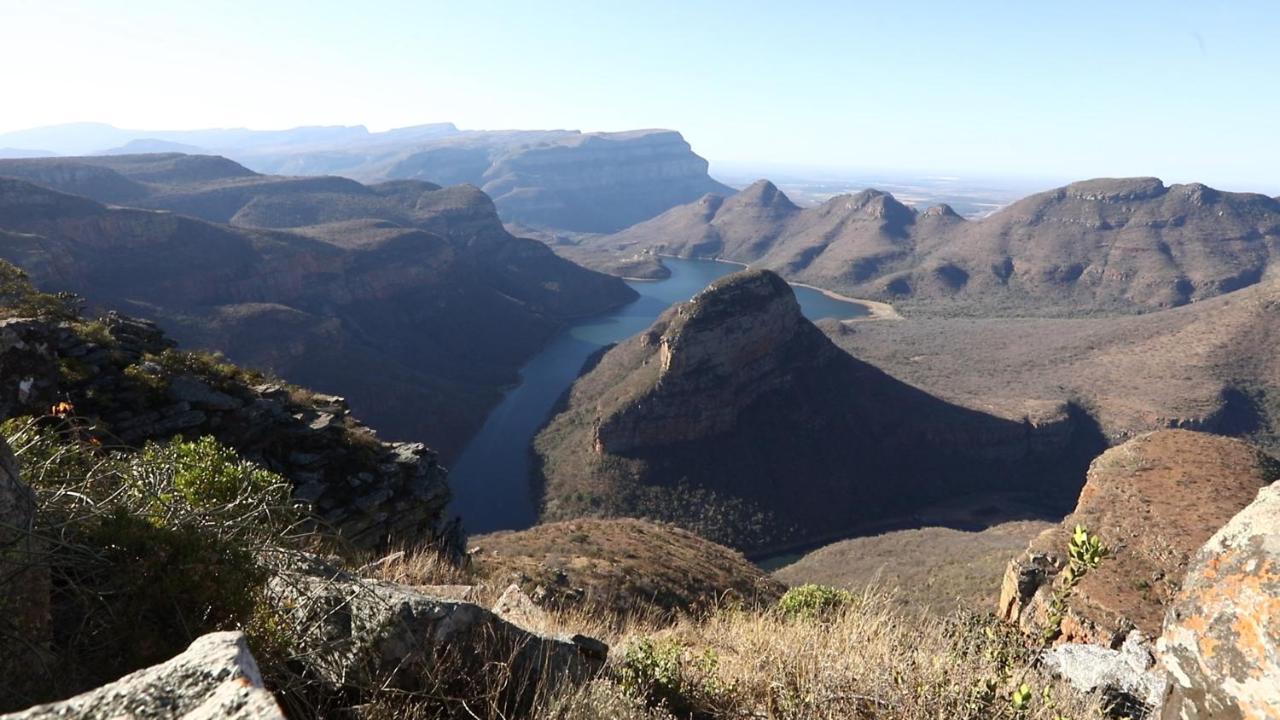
point(1176, 90)
point(741, 171)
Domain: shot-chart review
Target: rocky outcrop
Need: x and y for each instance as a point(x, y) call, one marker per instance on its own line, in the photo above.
point(123, 373)
point(1098, 246)
point(216, 678)
point(1153, 501)
point(1221, 640)
point(735, 417)
point(364, 634)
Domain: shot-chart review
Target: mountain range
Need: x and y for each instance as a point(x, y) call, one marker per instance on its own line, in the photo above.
point(371, 291)
point(565, 179)
point(1103, 246)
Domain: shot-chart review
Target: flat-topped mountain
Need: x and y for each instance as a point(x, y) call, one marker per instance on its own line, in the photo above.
point(1109, 245)
point(373, 292)
point(597, 182)
point(735, 417)
point(565, 179)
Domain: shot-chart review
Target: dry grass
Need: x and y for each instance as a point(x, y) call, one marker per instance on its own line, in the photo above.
point(871, 659)
point(934, 568)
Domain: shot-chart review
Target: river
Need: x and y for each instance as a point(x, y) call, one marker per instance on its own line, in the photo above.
point(491, 480)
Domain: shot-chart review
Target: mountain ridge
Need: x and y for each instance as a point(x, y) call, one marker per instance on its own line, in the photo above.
point(1096, 246)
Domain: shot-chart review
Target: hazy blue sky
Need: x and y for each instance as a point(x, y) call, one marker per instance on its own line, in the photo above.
point(1184, 90)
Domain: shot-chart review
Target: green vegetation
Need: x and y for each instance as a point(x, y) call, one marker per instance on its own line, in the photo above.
point(814, 601)
point(1085, 552)
point(145, 550)
point(19, 298)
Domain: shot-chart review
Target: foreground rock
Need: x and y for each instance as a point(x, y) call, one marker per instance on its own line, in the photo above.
point(1221, 641)
point(24, 583)
point(217, 677)
point(1127, 678)
point(1153, 501)
point(365, 634)
point(735, 417)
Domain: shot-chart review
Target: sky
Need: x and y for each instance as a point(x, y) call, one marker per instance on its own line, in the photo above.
point(1182, 90)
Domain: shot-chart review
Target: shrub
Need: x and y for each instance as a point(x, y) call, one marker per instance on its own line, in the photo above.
point(814, 601)
point(145, 550)
point(665, 674)
point(19, 298)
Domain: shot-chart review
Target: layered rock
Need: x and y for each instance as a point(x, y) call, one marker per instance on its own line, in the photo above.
point(1153, 501)
point(1221, 640)
point(600, 182)
point(1109, 245)
point(737, 418)
point(125, 376)
point(215, 678)
point(374, 292)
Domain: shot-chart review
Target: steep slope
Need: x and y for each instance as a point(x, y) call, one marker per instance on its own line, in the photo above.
point(1122, 245)
point(735, 417)
point(390, 315)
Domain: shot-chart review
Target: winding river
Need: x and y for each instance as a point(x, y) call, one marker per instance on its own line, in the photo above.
point(491, 480)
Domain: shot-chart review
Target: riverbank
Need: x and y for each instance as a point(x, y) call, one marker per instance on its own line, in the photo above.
point(876, 310)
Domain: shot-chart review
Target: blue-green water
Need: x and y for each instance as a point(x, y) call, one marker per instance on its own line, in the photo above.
point(491, 479)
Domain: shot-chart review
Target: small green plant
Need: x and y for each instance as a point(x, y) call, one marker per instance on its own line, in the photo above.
point(814, 601)
point(1085, 552)
point(1020, 701)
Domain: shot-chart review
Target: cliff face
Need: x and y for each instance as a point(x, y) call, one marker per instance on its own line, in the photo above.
point(124, 374)
point(1109, 245)
point(598, 182)
point(378, 292)
point(735, 417)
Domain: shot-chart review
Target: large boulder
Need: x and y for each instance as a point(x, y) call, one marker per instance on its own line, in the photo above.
point(216, 677)
point(361, 634)
point(1153, 501)
point(1221, 641)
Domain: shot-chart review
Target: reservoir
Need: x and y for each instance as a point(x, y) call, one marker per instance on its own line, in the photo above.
point(491, 479)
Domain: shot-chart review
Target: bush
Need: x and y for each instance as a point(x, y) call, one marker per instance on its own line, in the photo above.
point(146, 550)
point(665, 674)
point(814, 601)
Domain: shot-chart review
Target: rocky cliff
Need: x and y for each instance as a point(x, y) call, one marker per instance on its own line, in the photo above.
point(735, 417)
point(1108, 245)
point(374, 292)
